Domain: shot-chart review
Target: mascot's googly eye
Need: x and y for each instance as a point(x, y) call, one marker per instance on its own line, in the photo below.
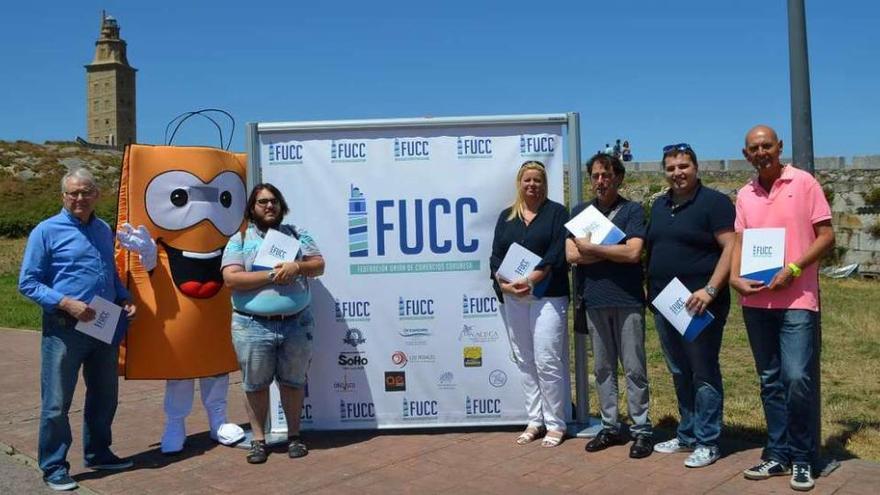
point(177, 200)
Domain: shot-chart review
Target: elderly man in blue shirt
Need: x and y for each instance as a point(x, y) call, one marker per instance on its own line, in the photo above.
point(69, 260)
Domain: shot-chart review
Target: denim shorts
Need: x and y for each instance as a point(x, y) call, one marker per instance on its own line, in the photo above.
point(267, 350)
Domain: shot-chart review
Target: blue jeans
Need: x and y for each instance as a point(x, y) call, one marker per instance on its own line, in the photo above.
point(278, 349)
point(63, 351)
point(785, 344)
point(696, 375)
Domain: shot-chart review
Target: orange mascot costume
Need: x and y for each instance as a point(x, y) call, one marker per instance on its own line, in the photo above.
point(186, 202)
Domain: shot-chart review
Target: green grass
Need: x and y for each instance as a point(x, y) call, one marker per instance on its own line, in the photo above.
point(850, 367)
point(850, 364)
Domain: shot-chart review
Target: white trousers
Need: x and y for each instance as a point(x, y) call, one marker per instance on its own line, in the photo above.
point(538, 334)
point(179, 400)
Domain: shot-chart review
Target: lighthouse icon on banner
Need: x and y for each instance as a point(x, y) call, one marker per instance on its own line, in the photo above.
point(357, 224)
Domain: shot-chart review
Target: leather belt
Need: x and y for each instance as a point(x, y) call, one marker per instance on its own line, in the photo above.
point(291, 316)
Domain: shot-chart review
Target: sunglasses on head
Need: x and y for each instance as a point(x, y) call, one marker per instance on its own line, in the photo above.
point(532, 162)
point(677, 147)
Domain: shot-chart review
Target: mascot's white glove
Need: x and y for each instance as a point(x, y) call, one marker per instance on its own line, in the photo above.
point(139, 241)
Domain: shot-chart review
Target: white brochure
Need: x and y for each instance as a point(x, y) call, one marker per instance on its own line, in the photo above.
point(276, 248)
point(104, 326)
point(592, 221)
point(518, 263)
point(763, 254)
point(670, 302)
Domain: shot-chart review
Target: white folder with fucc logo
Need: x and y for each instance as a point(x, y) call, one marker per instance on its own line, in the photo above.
point(592, 221)
point(670, 302)
point(518, 263)
point(276, 248)
point(105, 325)
point(763, 254)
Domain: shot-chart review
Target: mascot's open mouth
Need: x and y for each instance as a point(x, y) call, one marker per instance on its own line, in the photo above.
point(195, 274)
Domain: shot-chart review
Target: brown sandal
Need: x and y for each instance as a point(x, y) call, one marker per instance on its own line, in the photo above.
point(530, 435)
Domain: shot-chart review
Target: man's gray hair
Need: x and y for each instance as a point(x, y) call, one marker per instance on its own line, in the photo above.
point(81, 174)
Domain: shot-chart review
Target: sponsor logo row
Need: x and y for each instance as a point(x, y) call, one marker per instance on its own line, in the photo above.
point(415, 308)
point(407, 149)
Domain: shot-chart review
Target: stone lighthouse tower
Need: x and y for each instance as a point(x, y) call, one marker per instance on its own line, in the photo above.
point(110, 84)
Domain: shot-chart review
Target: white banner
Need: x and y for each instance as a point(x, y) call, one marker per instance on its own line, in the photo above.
point(408, 330)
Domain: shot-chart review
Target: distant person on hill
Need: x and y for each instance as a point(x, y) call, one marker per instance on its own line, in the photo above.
point(616, 149)
point(627, 152)
point(68, 261)
point(608, 149)
point(782, 317)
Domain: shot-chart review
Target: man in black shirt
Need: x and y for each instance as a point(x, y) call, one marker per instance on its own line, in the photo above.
point(610, 279)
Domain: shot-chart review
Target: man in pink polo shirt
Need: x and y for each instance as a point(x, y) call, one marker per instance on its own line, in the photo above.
point(782, 317)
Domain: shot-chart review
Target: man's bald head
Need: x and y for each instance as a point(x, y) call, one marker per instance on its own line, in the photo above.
point(763, 150)
point(762, 129)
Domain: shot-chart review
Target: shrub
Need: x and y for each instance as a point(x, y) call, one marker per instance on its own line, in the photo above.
point(872, 197)
point(874, 230)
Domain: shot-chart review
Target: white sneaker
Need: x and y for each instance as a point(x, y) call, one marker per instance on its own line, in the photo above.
point(702, 456)
point(671, 447)
point(174, 437)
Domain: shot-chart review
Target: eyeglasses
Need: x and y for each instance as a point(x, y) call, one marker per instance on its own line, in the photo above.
point(266, 201)
point(677, 147)
point(80, 194)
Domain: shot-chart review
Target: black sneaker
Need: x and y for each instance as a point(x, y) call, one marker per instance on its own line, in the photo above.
point(296, 448)
point(642, 447)
point(257, 453)
point(802, 477)
point(765, 470)
point(111, 463)
point(61, 482)
point(604, 439)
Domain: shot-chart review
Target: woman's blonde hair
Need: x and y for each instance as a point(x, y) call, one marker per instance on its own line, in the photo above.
point(516, 209)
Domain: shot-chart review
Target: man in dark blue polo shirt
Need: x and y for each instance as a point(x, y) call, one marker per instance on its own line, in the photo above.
point(610, 278)
point(691, 237)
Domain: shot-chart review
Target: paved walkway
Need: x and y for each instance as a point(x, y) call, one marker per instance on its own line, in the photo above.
point(362, 463)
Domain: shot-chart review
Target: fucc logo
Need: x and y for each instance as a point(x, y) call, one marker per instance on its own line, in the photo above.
point(411, 149)
point(424, 410)
point(474, 147)
point(478, 307)
point(413, 225)
point(356, 411)
point(482, 407)
point(536, 145)
point(415, 309)
point(285, 153)
point(348, 151)
point(352, 310)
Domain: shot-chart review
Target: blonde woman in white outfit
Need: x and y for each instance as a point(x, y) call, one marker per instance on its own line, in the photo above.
point(536, 306)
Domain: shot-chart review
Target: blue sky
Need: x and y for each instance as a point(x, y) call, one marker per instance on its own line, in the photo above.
point(648, 71)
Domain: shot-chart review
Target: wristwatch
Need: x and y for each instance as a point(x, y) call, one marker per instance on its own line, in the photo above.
point(712, 291)
point(530, 284)
point(272, 274)
point(795, 270)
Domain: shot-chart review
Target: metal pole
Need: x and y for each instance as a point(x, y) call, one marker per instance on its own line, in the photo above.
point(799, 73)
point(585, 425)
point(802, 156)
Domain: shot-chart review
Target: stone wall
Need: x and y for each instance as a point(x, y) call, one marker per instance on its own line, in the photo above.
point(846, 185)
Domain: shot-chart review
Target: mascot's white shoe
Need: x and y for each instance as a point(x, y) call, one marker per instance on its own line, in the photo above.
point(228, 434)
point(174, 437)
